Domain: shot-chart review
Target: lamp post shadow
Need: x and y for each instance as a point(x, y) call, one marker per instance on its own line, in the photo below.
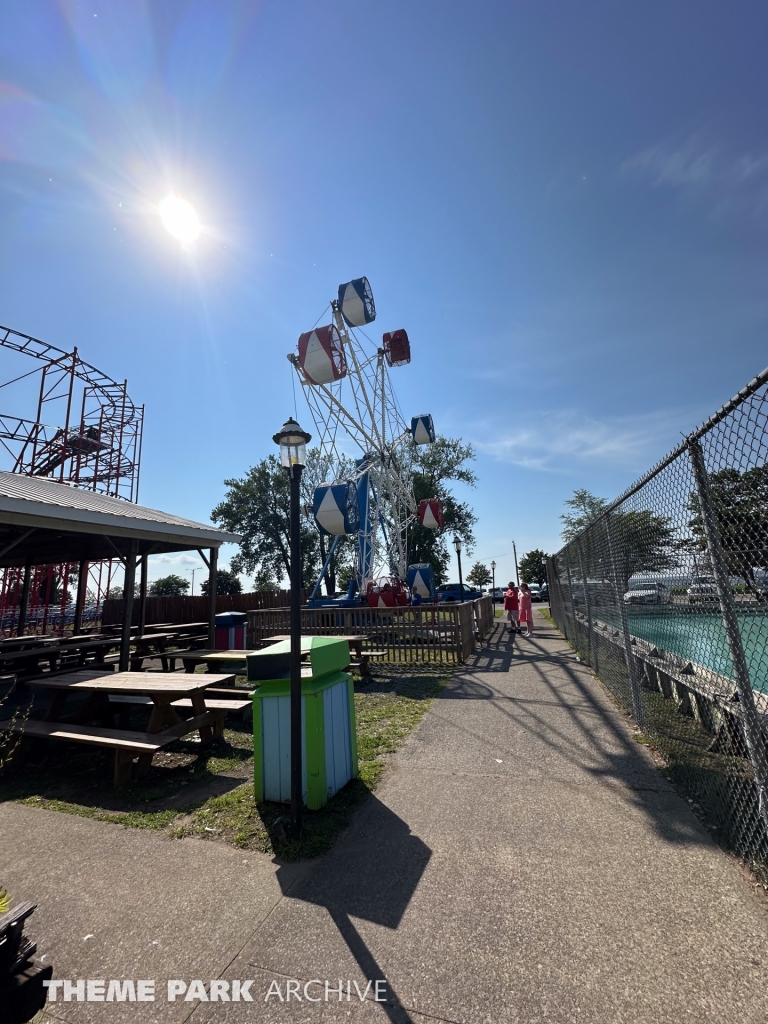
point(370, 875)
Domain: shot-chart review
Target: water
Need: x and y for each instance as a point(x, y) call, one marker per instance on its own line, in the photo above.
point(701, 638)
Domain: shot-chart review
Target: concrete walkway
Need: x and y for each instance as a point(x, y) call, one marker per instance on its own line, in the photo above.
point(523, 861)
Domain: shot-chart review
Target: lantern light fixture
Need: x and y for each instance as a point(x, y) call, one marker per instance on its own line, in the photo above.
point(293, 444)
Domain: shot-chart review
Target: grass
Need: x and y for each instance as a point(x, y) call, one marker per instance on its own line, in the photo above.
point(191, 791)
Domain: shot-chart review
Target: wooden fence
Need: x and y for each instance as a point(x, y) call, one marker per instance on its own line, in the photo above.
point(443, 633)
point(195, 609)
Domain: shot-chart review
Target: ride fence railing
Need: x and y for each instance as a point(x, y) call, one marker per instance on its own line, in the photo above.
point(429, 632)
point(664, 596)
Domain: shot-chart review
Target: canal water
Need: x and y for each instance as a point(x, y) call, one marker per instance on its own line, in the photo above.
point(701, 638)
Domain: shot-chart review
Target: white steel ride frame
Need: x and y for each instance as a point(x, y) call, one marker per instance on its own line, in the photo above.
point(358, 417)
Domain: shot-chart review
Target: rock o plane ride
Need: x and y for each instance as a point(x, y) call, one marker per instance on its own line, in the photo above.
point(345, 379)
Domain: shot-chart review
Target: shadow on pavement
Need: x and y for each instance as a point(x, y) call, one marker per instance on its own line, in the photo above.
point(600, 746)
point(373, 879)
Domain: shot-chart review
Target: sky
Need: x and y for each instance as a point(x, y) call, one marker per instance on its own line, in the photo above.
point(565, 205)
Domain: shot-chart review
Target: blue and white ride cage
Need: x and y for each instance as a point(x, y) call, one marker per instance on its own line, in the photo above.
point(335, 507)
point(423, 429)
point(356, 302)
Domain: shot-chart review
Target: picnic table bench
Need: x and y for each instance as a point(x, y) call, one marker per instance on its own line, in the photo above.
point(165, 724)
point(27, 657)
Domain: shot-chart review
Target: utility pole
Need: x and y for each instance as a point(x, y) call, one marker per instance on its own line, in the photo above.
point(517, 571)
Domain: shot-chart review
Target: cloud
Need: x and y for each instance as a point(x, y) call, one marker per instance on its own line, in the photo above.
point(558, 438)
point(700, 168)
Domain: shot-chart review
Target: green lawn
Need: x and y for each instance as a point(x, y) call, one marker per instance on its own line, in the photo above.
point(209, 793)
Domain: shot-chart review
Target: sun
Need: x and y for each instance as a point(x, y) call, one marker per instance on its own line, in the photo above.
point(180, 218)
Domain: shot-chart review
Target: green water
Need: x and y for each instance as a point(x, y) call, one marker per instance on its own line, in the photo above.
point(701, 638)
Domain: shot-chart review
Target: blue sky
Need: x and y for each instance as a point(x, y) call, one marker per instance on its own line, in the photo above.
point(566, 205)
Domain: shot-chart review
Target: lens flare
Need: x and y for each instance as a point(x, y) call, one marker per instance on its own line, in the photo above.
point(180, 219)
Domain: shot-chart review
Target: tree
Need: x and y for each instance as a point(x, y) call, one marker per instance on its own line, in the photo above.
point(257, 506)
point(479, 575)
point(644, 542)
point(434, 465)
point(740, 502)
point(531, 569)
point(586, 507)
point(169, 586)
point(226, 583)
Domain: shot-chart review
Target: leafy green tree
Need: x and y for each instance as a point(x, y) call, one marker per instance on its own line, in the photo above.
point(644, 542)
point(479, 575)
point(169, 586)
point(435, 465)
point(531, 569)
point(257, 506)
point(226, 583)
point(585, 508)
point(740, 502)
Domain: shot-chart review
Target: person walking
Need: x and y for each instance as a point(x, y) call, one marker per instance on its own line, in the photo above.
point(526, 609)
point(511, 606)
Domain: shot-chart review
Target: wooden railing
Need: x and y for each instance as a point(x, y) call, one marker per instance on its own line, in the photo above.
point(443, 633)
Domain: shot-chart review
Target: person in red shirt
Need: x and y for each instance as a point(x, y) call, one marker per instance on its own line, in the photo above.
point(511, 606)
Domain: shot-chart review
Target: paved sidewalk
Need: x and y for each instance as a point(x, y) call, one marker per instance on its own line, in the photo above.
point(522, 862)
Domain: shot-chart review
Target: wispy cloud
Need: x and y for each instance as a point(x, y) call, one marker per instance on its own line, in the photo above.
point(698, 167)
point(557, 439)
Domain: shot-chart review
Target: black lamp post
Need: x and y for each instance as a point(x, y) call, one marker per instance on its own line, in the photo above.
point(293, 457)
point(457, 548)
point(493, 585)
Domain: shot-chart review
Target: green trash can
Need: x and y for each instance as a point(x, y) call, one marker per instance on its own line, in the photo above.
point(328, 730)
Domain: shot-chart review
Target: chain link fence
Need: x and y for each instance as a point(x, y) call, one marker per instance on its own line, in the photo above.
point(665, 596)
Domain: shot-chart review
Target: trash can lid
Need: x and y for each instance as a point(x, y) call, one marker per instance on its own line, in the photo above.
point(231, 618)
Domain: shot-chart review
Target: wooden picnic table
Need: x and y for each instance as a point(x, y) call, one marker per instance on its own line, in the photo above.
point(149, 643)
point(81, 646)
point(165, 724)
point(27, 657)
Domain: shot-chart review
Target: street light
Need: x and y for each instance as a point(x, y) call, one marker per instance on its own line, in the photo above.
point(493, 585)
point(457, 548)
point(293, 457)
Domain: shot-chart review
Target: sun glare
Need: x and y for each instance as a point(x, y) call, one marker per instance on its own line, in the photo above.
point(180, 219)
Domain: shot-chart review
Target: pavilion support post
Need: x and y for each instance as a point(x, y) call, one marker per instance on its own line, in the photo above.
point(143, 596)
point(82, 587)
point(24, 605)
point(128, 588)
point(214, 555)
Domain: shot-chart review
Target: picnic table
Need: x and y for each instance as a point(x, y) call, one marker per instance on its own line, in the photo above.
point(168, 694)
point(79, 647)
point(149, 644)
point(26, 655)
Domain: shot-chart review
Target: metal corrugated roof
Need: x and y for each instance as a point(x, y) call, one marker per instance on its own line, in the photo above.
point(40, 496)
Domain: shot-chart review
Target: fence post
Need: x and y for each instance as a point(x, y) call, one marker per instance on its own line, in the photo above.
point(570, 594)
point(560, 601)
point(618, 583)
point(592, 647)
point(752, 726)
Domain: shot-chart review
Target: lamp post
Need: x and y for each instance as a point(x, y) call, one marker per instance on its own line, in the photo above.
point(457, 548)
point(517, 571)
point(293, 458)
point(493, 585)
